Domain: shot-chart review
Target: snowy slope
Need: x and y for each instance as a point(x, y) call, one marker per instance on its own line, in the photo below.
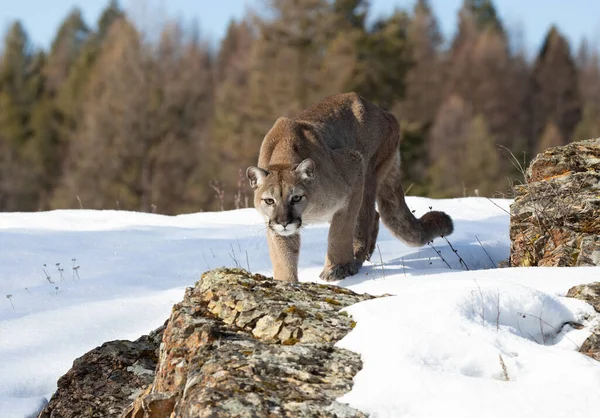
point(434, 348)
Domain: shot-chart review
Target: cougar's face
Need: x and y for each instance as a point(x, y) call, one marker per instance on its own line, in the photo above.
point(281, 194)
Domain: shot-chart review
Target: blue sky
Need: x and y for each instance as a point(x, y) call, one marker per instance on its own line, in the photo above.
point(575, 18)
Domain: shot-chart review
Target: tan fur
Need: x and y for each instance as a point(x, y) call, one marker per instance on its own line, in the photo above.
point(331, 163)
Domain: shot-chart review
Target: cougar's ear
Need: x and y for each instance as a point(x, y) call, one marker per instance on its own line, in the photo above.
point(306, 169)
point(256, 176)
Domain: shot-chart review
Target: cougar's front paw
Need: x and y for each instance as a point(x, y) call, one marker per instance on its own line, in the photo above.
point(339, 272)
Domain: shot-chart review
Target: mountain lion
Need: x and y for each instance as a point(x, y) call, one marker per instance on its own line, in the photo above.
point(331, 163)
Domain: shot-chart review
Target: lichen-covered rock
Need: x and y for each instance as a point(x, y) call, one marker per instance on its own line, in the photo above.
point(245, 345)
point(237, 345)
point(587, 292)
point(555, 218)
point(103, 382)
point(591, 294)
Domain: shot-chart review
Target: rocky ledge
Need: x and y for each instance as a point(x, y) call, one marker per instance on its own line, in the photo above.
point(555, 218)
point(102, 382)
point(237, 345)
point(591, 294)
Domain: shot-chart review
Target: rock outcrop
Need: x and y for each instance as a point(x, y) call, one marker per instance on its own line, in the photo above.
point(237, 345)
point(104, 381)
point(591, 294)
point(555, 218)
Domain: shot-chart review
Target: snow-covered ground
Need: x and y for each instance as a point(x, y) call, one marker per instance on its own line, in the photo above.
point(451, 342)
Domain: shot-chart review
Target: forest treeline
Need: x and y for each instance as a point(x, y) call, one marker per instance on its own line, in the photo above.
point(112, 117)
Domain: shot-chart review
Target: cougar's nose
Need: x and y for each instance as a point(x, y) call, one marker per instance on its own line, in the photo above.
point(284, 223)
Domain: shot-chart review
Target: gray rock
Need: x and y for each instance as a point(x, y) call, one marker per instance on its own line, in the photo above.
point(104, 381)
point(555, 218)
point(591, 294)
point(248, 346)
point(237, 345)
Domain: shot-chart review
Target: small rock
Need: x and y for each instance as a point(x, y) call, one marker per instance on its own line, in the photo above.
point(591, 294)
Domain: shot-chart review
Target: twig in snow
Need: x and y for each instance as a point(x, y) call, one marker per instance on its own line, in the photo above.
point(521, 331)
point(482, 304)
point(460, 259)
point(232, 255)
point(486, 253)
point(503, 366)
point(558, 330)
point(498, 309)
point(75, 269)
point(439, 253)
point(541, 323)
point(381, 259)
point(247, 260)
point(47, 275)
point(10, 300)
point(60, 270)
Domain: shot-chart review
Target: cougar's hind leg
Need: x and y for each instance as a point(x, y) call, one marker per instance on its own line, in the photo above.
point(374, 234)
point(367, 225)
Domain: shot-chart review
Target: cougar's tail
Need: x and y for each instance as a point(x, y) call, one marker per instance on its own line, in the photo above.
point(400, 220)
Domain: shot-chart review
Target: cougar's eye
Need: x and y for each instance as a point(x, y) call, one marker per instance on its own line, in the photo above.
point(269, 201)
point(296, 199)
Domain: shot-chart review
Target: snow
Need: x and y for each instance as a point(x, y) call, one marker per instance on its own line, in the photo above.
point(436, 346)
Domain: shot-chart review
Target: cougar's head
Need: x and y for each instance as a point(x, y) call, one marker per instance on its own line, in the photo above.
point(282, 194)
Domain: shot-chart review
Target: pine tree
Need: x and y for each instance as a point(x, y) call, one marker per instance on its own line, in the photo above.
point(69, 96)
point(451, 126)
point(293, 41)
point(20, 85)
point(424, 78)
point(420, 104)
point(485, 15)
point(231, 142)
point(494, 81)
point(15, 97)
point(480, 163)
point(352, 12)
point(237, 40)
point(111, 14)
point(65, 49)
point(183, 160)
point(465, 158)
point(555, 88)
point(48, 143)
point(84, 47)
point(383, 60)
point(103, 169)
point(340, 68)
point(588, 65)
point(145, 117)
